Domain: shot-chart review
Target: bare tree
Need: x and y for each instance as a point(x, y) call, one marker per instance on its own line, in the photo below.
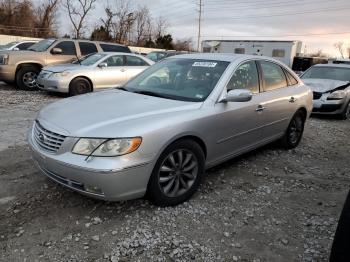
point(123, 22)
point(77, 11)
point(161, 26)
point(46, 13)
point(108, 22)
point(142, 24)
point(340, 47)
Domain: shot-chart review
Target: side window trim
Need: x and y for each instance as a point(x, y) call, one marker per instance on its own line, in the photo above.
point(258, 73)
point(262, 75)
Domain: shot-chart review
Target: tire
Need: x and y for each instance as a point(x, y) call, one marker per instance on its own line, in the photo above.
point(294, 132)
point(9, 83)
point(346, 113)
point(26, 77)
point(181, 167)
point(79, 86)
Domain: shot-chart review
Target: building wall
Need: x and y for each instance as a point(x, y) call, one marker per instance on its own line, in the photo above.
point(5, 39)
point(283, 51)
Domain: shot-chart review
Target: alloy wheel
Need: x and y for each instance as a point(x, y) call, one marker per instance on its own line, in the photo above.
point(178, 172)
point(29, 79)
point(296, 130)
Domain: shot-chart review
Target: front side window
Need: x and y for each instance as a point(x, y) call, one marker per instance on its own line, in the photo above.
point(68, 47)
point(179, 79)
point(116, 60)
point(24, 46)
point(87, 48)
point(245, 77)
point(135, 61)
point(273, 76)
point(291, 78)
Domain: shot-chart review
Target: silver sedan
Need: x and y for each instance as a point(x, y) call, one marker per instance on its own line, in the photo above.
point(157, 134)
point(94, 72)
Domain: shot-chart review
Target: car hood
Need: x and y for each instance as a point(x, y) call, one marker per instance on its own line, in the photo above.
point(64, 67)
point(110, 113)
point(324, 85)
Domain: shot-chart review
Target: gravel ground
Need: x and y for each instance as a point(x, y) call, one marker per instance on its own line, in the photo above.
point(268, 205)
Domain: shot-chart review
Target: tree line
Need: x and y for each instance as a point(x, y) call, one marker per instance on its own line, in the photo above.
point(122, 22)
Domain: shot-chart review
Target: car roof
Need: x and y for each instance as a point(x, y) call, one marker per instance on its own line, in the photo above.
point(226, 57)
point(333, 65)
point(118, 53)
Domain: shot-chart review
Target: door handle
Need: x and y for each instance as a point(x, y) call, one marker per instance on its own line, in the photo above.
point(292, 99)
point(260, 108)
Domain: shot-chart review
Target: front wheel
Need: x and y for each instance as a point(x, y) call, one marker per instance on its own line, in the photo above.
point(79, 86)
point(177, 173)
point(346, 113)
point(294, 132)
point(26, 77)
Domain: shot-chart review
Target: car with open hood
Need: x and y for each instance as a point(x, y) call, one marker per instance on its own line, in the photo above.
point(92, 73)
point(330, 84)
point(157, 134)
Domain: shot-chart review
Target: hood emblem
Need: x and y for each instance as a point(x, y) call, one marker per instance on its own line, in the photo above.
point(42, 137)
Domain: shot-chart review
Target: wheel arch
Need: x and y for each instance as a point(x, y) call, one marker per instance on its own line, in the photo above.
point(85, 77)
point(20, 66)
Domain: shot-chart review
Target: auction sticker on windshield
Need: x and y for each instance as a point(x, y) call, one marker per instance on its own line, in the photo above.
point(205, 64)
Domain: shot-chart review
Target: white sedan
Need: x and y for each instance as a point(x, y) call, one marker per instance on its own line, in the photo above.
point(92, 73)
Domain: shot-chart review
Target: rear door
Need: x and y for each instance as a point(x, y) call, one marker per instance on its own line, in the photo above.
point(134, 66)
point(113, 75)
point(87, 48)
point(278, 105)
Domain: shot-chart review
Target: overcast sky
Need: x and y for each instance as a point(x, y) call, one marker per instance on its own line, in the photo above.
point(318, 23)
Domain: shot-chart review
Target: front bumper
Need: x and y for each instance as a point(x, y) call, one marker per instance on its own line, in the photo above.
point(105, 178)
point(7, 73)
point(323, 106)
point(60, 85)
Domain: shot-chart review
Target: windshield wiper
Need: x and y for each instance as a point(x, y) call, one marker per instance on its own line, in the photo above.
point(150, 93)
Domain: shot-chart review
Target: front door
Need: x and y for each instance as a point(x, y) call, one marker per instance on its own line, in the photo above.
point(68, 55)
point(113, 75)
point(237, 126)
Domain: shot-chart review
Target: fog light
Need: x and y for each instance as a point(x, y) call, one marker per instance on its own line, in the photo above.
point(93, 189)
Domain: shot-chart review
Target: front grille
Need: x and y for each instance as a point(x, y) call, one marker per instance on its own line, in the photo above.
point(317, 95)
point(63, 180)
point(46, 139)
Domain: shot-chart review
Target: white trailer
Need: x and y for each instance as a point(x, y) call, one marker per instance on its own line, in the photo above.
point(285, 51)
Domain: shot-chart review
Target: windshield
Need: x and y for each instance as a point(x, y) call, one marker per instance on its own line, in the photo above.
point(90, 59)
point(9, 45)
point(324, 72)
point(156, 56)
point(41, 46)
point(179, 79)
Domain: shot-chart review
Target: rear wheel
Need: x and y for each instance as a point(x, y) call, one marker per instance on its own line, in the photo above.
point(79, 86)
point(177, 173)
point(294, 132)
point(26, 77)
point(346, 113)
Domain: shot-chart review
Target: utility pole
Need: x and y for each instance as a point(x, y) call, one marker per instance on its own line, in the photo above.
point(199, 26)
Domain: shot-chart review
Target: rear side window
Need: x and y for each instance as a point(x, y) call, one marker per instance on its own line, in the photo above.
point(135, 61)
point(87, 48)
point(291, 79)
point(24, 46)
point(114, 48)
point(68, 47)
point(273, 76)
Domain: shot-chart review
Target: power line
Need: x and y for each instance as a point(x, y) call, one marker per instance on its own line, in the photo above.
point(288, 35)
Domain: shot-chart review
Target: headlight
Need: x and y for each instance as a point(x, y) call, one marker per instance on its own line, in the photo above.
point(337, 95)
point(60, 74)
point(4, 58)
point(106, 147)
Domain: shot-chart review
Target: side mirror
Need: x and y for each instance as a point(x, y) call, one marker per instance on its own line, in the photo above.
point(102, 65)
point(56, 51)
point(238, 95)
point(15, 49)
